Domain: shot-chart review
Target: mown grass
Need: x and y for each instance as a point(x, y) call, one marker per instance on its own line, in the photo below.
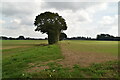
point(104, 70)
point(16, 60)
point(102, 47)
point(12, 43)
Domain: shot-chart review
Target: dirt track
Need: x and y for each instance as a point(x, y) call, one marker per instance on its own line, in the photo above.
point(83, 59)
point(73, 57)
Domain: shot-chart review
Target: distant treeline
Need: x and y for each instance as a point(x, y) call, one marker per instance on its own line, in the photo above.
point(20, 38)
point(105, 37)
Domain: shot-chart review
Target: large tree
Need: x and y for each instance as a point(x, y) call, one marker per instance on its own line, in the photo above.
point(52, 24)
point(62, 36)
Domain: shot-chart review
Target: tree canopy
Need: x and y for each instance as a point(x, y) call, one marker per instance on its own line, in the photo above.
point(63, 36)
point(51, 24)
point(105, 37)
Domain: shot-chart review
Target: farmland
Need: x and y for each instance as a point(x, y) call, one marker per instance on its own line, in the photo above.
point(67, 59)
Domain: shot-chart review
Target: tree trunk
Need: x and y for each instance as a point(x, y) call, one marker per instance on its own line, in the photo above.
point(53, 37)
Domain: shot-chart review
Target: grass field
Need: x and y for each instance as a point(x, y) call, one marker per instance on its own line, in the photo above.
point(68, 59)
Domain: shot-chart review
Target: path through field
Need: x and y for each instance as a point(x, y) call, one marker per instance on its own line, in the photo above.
point(36, 59)
point(82, 58)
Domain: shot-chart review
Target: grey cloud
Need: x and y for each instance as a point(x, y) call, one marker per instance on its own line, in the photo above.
point(26, 12)
point(26, 21)
point(10, 26)
point(17, 9)
point(20, 10)
point(119, 7)
point(69, 5)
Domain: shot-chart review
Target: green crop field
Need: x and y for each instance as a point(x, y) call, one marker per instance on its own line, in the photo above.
point(67, 59)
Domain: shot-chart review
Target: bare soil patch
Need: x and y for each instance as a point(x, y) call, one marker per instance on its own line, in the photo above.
point(41, 44)
point(10, 47)
point(71, 58)
point(82, 59)
point(37, 69)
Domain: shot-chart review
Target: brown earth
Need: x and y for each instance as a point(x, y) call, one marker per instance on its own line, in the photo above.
point(10, 47)
point(73, 57)
point(83, 59)
point(40, 66)
point(37, 69)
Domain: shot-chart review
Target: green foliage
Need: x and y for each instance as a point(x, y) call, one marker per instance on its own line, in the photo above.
point(49, 21)
point(18, 59)
point(104, 70)
point(51, 24)
point(98, 47)
point(62, 36)
point(105, 37)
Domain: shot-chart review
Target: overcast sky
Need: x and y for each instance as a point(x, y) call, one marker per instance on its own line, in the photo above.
point(82, 18)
